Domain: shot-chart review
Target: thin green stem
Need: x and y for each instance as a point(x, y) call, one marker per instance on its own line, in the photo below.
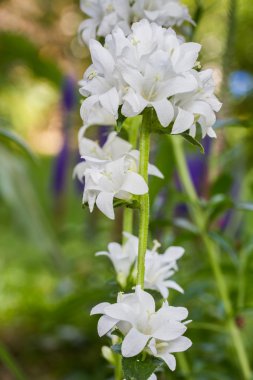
point(128, 214)
point(144, 199)
point(118, 367)
point(199, 219)
point(128, 220)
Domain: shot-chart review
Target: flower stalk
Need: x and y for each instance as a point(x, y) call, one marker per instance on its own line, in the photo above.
point(144, 199)
point(199, 219)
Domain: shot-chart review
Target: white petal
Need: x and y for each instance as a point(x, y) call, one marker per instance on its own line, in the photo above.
point(185, 56)
point(134, 343)
point(183, 121)
point(134, 184)
point(105, 204)
point(164, 111)
point(173, 253)
point(110, 101)
point(174, 285)
point(170, 331)
point(180, 344)
point(120, 311)
point(105, 324)
point(133, 104)
point(153, 170)
point(100, 308)
point(169, 360)
point(101, 57)
point(146, 299)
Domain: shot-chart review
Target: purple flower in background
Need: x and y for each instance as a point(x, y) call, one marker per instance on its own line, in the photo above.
point(60, 167)
point(68, 94)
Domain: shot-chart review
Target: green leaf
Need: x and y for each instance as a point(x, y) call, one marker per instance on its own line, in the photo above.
point(120, 121)
point(137, 369)
point(193, 141)
point(8, 137)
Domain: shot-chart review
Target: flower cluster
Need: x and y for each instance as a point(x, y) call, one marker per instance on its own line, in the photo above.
point(151, 67)
point(104, 15)
point(160, 332)
point(109, 172)
point(159, 267)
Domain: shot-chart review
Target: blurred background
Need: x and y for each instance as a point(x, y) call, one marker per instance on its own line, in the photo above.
point(49, 277)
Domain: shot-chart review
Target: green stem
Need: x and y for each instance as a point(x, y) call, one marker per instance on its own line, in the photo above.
point(118, 367)
point(199, 219)
point(128, 214)
point(144, 199)
point(128, 220)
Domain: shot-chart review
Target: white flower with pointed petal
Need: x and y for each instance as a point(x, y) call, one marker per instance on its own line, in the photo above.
point(160, 268)
point(109, 172)
point(122, 257)
point(135, 316)
point(104, 15)
point(164, 350)
point(197, 106)
point(164, 13)
point(109, 181)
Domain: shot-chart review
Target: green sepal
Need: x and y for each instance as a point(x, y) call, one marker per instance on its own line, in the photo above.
point(120, 121)
point(193, 141)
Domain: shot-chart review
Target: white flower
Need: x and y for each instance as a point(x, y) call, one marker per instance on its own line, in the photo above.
point(197, 106)
point(135, 316)
point(142, 70)
point(152, 377)
point(122, 257)
point(111, 180)
point(109, 172)
point(104, 15)
point(114, 147)
point(159, 268)
point(164, 13)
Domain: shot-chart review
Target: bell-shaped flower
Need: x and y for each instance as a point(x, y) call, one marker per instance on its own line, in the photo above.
point(123, 257)
point(159, 268)
point(111, 180)
point(164, 350)
point(114, 147)
point(109, 172)
point(104, 15)
point(136, 317)
point(198, 106)
point(164, 13)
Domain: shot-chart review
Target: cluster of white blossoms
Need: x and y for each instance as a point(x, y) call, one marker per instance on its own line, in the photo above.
point(159, 268)
point(104, 15)
point(160, 332)
point(151, 67)
point(109, 172)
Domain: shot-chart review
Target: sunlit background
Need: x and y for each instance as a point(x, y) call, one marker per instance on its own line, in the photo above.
point(49, 277)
